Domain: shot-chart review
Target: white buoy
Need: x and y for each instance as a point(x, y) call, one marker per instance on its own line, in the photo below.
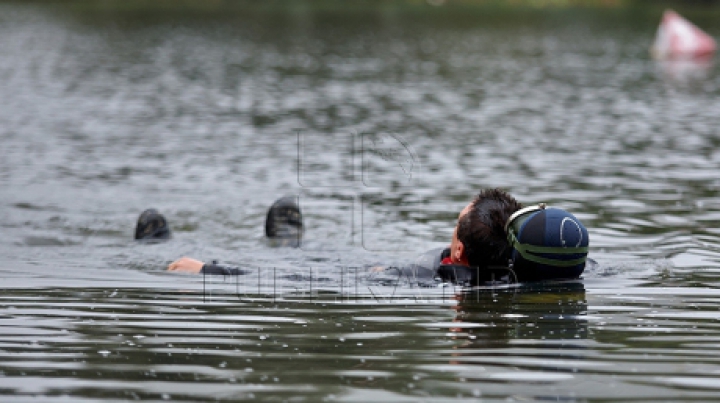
point(678, 38)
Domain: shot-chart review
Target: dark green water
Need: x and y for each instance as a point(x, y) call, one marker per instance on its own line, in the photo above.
point(384, 120)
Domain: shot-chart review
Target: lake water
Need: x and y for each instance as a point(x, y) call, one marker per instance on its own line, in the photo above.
point(383, 120)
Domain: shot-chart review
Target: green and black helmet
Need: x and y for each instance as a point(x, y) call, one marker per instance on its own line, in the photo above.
point(547, 243)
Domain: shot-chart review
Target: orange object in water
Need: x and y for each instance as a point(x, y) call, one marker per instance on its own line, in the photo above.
point(679, 38)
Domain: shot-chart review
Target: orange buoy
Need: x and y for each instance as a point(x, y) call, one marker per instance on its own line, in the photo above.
point(678, 38)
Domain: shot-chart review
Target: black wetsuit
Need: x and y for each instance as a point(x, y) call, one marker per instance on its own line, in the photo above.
point(424, 268)
point(434, 265)
point(428, 269)
point(284, 226)
point(214, 268)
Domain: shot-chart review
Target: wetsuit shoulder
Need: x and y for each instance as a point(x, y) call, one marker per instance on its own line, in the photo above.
point(218, 269)
point(424, 268)
point(419, 273)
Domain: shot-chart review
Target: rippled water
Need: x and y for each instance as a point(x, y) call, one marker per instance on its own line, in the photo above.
point(384, 120)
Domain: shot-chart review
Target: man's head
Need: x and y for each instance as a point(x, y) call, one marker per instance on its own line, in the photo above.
point(479, 238)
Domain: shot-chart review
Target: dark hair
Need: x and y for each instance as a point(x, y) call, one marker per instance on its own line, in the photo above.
point(482, 229)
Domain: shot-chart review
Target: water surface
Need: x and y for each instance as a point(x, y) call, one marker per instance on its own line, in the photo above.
point(383, 120)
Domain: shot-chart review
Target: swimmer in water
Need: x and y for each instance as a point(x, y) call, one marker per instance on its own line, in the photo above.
point(495, 239)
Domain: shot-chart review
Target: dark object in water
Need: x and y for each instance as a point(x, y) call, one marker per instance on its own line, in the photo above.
point(152, 226)
point(214, 268)
point(283, 225)
point(548, 244)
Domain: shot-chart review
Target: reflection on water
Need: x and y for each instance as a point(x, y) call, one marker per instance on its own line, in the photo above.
point(684, 71)
point(540, 312)
point(555, 341)
point(384, 121)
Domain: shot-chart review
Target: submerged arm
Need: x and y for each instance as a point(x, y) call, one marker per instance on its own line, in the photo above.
point(190, 265)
